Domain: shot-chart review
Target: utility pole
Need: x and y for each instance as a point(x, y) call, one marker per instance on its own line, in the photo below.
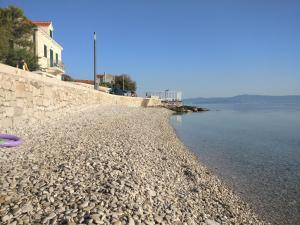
point(123, 82)
point(96, 85)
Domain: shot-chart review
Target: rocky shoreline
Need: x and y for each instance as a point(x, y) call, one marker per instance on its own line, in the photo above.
point(111, 165)
point(185, 108)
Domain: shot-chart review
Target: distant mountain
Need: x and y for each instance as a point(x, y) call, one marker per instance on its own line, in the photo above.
point(249, 99)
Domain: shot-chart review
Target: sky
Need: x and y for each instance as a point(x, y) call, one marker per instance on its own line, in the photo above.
point(209, 48)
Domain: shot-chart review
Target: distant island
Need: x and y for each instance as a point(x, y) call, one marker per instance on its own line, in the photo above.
point(249, 99)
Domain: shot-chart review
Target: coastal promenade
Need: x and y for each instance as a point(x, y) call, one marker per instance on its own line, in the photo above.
point(111, 165)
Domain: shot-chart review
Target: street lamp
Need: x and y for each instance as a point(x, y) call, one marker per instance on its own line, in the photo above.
point(96, 85)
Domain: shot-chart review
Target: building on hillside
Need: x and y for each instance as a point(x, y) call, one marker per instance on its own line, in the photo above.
point(100, 78)
point(166, 96)
point(105, 78)
point(48, 51)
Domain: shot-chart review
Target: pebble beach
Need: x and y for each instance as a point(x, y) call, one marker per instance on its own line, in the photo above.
point(111, 165)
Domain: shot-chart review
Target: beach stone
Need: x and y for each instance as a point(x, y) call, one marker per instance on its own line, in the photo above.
point(13, 223)
point(158, 219)
point(35, 168)
point(96, 218)
point(84, 205)
point(131, 221)
point(71, 223)
point(25, 219)
point(6, 218)
point(103, 165)
point(151, 193)
point(27, 208)
point(17, 211)
point(46, 219)
point(211, 222)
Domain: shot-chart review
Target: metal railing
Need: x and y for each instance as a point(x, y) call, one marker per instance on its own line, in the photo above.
point(54, 63)
point(166, 95)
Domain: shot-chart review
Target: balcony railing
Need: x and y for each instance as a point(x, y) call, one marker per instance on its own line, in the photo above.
point(59, 64)
point(166, 95)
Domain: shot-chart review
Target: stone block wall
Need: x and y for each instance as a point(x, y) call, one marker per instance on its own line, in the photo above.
point(29, 97)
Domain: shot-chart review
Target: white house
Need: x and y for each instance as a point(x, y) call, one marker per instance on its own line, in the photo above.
point(47, 49)
point(105, 78)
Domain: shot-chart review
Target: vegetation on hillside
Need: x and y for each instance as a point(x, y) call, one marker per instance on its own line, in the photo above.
point(129, 84)
point(106, 84)
point(16, 38)
point(66, 77)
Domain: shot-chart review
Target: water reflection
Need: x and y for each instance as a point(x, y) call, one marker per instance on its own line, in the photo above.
point(178, 119)
point(256, 151)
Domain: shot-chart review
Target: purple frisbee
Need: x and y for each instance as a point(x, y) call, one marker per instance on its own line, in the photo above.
point(7, 141)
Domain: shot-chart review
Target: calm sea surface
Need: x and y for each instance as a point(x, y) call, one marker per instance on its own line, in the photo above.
point(253, 148)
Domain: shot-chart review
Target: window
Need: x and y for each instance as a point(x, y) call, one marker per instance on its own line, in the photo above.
point(51, 33)
point(51, 58)
point(56, 58)
point(45, 51)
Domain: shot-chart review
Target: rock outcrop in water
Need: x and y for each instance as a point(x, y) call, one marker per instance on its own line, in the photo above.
point(185, 108)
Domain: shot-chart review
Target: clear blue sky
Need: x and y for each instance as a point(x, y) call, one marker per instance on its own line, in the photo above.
point(204, 48)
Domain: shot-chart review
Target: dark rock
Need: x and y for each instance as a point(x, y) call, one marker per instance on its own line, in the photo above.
point(185, 108)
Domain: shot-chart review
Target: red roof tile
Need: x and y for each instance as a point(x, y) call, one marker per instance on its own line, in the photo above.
point(42, 23)
point(85, 81)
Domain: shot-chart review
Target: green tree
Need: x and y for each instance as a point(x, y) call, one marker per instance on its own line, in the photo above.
point(106, 84)
point(66, 77)
point(4, 45)
point(129, 84)
point(16, 42)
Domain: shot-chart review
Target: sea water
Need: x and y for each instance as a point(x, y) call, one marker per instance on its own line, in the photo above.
point(254, 149)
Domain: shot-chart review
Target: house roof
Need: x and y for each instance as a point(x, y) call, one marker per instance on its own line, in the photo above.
point(42, 23)
point(102, 75)
point(85, 81)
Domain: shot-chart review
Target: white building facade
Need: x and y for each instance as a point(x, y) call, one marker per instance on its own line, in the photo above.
point(105, 78)
point(168, 96)
point(48, 51)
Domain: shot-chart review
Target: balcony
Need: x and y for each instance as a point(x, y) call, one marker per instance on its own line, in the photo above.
point(55, 67)
point(58, 64)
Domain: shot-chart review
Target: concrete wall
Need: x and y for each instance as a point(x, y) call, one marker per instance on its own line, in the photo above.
point(29, 97)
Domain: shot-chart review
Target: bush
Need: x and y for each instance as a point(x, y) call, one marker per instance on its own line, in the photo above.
point(66, 77)
point(106, 84)
point(16, 55)
point(129, 84)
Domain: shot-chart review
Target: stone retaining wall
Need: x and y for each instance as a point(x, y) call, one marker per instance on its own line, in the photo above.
point(29, 97)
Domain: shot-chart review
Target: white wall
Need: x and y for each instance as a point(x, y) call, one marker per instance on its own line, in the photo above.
point(43, 38)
